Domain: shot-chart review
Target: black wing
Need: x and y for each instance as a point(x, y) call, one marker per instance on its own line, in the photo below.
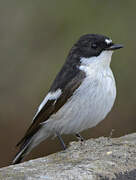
point(68, 80)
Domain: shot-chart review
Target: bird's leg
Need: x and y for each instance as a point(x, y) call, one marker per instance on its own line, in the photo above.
point(79, 137)
point(61, 141)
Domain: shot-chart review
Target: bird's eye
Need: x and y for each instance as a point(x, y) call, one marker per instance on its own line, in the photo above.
point(94, 46)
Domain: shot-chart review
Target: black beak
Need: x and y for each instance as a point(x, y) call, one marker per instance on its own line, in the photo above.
point(114, 47)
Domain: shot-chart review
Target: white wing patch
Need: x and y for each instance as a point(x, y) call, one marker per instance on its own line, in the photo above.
point(50, 96)
point(108, 41)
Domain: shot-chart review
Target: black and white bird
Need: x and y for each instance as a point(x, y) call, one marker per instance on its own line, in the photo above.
point(81, 95)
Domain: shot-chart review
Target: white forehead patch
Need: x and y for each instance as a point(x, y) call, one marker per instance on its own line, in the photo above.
point(108, 41)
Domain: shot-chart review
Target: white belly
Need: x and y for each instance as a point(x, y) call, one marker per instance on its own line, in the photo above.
point(89, 105)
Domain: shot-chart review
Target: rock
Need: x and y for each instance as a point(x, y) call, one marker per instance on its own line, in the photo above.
point(94, 159)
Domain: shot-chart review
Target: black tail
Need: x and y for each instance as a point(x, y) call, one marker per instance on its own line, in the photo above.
point(24, 144)
point(18, 158)
point(29, 141)
point(22, 151)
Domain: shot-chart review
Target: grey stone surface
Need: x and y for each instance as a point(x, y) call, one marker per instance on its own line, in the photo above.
point(94, 159)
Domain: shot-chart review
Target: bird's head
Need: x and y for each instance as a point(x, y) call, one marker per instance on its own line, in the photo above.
point(95, 48)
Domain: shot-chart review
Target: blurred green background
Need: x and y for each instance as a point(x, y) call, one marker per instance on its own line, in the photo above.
point(35, 37)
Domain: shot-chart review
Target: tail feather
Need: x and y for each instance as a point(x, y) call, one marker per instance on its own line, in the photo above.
point(24, 144)
point(22, 152)
point(29, 142)
point(28, 135)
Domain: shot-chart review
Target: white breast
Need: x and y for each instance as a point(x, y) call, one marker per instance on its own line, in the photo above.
point(90, 103)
